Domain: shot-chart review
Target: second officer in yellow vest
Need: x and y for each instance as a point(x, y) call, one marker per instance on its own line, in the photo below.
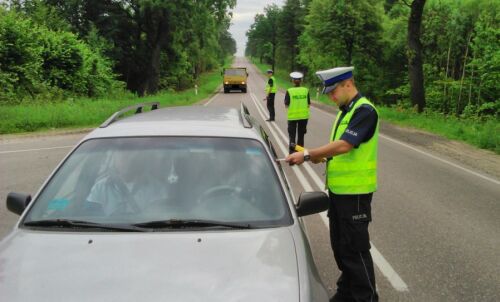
point(271, 90)
point(297, 100)
point(351, 181)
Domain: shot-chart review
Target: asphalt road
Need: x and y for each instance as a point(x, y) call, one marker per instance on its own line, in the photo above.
point(435, 231)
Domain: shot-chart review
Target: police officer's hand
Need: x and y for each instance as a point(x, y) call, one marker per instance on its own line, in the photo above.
point(296, 158)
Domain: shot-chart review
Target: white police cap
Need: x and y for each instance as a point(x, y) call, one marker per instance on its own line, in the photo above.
point(296, 75)
point(332, 77)
point(269, 71)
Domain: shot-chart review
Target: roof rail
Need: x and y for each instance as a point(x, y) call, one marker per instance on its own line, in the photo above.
point(136, 107)
point(245, 116)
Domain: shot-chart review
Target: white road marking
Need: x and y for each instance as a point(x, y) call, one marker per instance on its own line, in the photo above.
point(305, 183)
point(213, 97)
point(428, 154)
point(379, 260)
point(388, 271)
point(30, 150)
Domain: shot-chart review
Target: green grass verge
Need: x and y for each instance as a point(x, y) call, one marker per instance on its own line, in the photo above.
point(83, 112)
point(482, 134)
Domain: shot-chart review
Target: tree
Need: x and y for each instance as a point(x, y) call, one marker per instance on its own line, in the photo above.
point(263, 35)
point(38, 63)
point(486, 61)
point(339, 33)
point(272, 16)
point(415, 61)
point(257, 43)
point(155, 43)
point(393, 85)
point(290, 27)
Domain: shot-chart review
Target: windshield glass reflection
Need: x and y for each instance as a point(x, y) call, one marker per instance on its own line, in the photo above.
point(137, 180)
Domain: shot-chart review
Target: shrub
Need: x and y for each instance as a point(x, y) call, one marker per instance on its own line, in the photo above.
point(38, 64)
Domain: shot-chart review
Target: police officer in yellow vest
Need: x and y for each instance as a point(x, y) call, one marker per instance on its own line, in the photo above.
point(271, 90)
point(297, 100)
point(351, 181)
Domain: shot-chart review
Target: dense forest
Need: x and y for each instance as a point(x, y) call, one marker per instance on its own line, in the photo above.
point(451, 48)
point(57, 49)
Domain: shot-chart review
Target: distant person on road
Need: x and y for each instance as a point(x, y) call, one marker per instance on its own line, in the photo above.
point(351, 181)
point(297, 101)
point(271, 92)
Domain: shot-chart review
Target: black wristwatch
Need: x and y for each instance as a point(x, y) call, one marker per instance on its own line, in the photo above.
point(307, 157)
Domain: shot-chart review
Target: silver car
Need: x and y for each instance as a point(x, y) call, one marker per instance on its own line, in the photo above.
point(174, 204)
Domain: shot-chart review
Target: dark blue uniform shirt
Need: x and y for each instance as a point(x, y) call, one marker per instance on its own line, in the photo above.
point(362, 124)
point(270, 82)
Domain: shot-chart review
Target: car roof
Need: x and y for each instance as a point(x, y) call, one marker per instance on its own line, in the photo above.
point(182, 121)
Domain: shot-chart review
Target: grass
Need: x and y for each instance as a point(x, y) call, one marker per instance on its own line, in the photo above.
point(482, 134)
point(83, 112)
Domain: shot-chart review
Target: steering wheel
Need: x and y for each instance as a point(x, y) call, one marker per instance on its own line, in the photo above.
point(226, 203)
point(222, 190)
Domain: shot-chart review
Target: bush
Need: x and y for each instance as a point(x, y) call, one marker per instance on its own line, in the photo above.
point(38, 64)
point(489, 109)
point(19, 58)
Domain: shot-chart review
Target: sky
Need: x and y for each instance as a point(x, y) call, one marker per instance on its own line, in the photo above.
point(243, 17)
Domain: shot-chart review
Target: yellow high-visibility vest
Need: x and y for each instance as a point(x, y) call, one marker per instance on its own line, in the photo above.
point(272, 89)
point(299, 107)
point(354, 172)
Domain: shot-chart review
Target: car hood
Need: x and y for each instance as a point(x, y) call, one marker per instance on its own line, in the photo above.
point(241, 265)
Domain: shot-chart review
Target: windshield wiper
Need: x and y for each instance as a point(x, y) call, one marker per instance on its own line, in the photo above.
point(68, 223)
point(192, 223)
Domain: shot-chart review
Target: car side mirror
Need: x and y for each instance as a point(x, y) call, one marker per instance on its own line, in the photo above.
point(17, 202)
point(312, 203)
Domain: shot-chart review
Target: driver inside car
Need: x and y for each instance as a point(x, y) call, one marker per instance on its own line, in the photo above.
point(128, 186)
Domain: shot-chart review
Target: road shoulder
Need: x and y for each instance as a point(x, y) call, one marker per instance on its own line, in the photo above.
point(4, 138)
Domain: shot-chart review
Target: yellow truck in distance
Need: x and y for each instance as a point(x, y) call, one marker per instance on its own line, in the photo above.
point(235, 78)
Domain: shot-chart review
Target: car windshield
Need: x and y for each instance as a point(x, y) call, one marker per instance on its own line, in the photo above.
point(235, 72)
point(150, 179)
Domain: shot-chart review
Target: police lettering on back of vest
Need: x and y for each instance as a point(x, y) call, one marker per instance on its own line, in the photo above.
point(299, 106)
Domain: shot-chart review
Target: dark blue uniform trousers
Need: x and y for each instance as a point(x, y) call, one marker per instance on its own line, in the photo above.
point(270, 105)
point(349, 216)
point(297, 129)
